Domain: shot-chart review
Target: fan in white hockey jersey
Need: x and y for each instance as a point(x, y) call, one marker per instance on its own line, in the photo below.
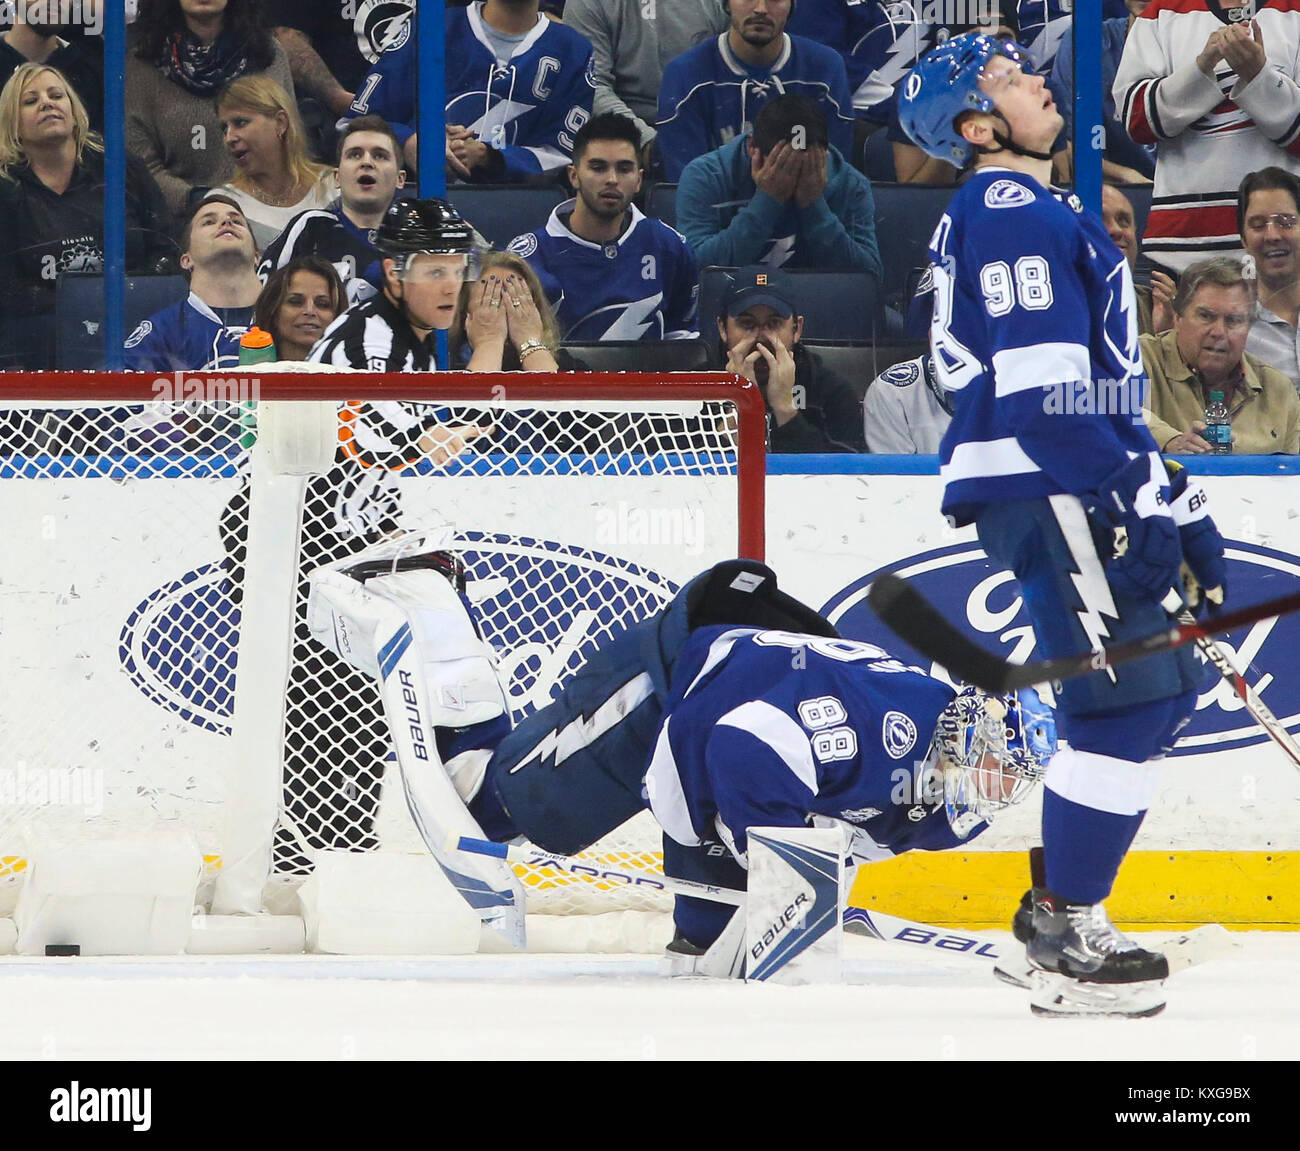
point(906, 410)
point(1220, 96)
point(610, 272)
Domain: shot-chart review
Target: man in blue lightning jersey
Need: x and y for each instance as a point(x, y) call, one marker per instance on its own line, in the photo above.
point(519, 85)
point(1034, 333)
point(610, 272)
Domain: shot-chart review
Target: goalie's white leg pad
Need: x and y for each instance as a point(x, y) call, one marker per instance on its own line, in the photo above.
point(490, 886)
point(458, 668)
point(411, 632)
point(795, 905)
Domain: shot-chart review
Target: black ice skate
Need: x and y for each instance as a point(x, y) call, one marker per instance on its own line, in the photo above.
point(1019, 972)
point(1084, 966)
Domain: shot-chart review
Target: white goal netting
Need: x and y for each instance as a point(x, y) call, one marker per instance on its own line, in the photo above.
point(129, 638)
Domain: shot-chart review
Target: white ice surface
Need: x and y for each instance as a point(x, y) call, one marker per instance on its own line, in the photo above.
point(895, 1003)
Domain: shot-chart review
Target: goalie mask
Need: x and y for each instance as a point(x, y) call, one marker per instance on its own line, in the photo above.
point(992, 749)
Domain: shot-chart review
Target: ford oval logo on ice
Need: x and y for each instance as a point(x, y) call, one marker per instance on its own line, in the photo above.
point(966, 587)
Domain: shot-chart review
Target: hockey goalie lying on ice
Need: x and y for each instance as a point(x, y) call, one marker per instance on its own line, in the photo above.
point(735, 707)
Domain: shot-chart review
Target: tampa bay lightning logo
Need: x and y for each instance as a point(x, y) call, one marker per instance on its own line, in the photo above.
point(544, 606)
point(903, 375)
point(1007, 194)
point(380, 25)
point(523, 246)
point(898, 733)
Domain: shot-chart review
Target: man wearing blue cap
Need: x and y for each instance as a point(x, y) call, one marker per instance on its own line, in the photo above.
point(809, 407)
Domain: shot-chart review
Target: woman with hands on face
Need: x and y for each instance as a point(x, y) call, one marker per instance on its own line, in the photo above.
point(504, 322)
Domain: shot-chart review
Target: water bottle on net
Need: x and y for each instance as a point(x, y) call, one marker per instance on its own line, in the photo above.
point(1218, 425)
point(255, 347)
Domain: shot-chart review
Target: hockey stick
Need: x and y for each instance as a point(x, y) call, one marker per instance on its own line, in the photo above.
point(1204, 943)
point(648, 881)
point(1259, 711)
point(857, 920)
point(914, 619)
point(1210, 941)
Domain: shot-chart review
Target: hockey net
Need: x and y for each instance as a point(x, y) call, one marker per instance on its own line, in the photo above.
point(146, 683)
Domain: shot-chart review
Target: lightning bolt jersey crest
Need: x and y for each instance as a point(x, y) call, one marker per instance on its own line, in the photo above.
point(1047, 386)
point(643, 286)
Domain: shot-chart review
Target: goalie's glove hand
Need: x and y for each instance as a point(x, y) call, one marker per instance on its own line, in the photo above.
point(1147, 553)
point(1204, 572)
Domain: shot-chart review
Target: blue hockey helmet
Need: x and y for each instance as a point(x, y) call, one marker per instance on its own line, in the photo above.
point(944, 84)
point(992, 749)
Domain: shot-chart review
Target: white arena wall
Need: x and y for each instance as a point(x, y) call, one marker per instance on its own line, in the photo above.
point(1221, 844)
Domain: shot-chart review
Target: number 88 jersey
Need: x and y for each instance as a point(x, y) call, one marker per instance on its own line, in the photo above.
point(772, 728)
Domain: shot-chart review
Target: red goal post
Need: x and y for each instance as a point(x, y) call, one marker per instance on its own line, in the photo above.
point(125, 523)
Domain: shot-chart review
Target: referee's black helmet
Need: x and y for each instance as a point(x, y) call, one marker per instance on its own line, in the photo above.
point(411, 227)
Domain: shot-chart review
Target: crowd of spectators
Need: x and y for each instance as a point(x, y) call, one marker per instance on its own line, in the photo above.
point(266, 139)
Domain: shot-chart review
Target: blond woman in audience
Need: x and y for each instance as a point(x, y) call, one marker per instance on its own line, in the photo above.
point(275, 178)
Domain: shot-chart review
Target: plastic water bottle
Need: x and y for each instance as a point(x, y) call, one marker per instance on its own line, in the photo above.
point(255, 347)
point(1218, 428)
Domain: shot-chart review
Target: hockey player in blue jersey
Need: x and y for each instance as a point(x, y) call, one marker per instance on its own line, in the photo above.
point(610, 272)
point(712, 92)
point(734, 707)
point(519, 85)
point(1034, 332)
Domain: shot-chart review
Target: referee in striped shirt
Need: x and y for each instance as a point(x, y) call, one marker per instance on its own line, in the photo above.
point(428, 252)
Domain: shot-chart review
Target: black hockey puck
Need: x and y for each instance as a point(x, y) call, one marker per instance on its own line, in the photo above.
point(63, 949)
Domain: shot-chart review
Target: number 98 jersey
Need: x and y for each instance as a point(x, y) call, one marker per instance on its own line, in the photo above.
point(773, 728)
point(1035, 332)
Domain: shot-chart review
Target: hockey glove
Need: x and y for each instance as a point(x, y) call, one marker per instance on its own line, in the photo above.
point(1146, 553)
point(1204, 573)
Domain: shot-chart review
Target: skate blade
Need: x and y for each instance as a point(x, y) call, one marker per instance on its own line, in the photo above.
point(1059, 996)
point(1017, 974)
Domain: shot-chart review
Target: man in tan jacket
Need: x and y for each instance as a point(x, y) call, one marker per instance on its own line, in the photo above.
point(1204, 352)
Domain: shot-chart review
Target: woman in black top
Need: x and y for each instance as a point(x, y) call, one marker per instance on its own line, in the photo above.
point(52, 206)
